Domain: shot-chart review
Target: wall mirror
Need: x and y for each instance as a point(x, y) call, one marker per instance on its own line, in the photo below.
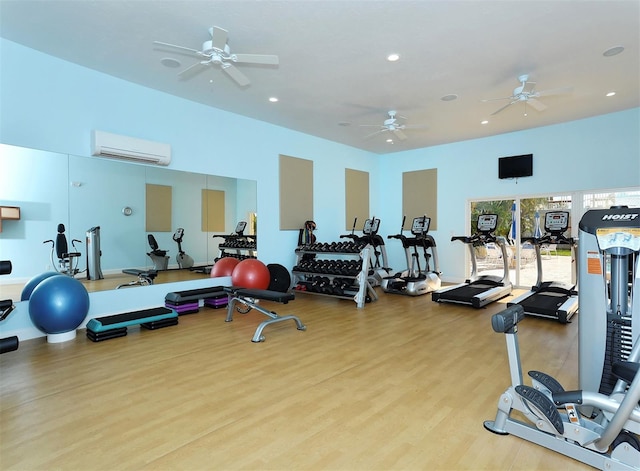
point(88, 192)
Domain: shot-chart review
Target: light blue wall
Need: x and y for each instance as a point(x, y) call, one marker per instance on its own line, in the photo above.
point(57, 109)
point(53, 105)
point(597, 153)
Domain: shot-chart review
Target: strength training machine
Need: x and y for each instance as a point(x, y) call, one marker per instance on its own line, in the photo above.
point(609, 295)
point(415, 281)
point(600, 429)
point(67, 261)
point(551, 299)
point(479, 290)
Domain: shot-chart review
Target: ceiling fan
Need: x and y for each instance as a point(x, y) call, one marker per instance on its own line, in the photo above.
point(216, 51)
point(527, 94)
point(392, 125)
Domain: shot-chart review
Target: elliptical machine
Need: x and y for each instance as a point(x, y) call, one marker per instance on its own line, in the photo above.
point(378, 264)
point(415, 281)
point(184, 260)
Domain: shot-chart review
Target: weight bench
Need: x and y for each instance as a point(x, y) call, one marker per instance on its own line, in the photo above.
point(249, 298)
point(188, 302)
point(145, 277)
point(109, 327)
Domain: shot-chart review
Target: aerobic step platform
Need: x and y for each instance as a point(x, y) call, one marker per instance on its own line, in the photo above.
point(109, 327)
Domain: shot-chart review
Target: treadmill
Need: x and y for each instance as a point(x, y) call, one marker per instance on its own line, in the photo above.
point(479, 290)
point(551, 299)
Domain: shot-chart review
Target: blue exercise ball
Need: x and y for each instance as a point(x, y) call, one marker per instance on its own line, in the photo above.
point(35, 281)
point(58, 304)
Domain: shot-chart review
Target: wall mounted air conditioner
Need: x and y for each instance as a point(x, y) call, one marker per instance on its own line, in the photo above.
point(104, 144)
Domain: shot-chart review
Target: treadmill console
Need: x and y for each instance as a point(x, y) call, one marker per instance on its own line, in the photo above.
point(556, 222)
point(487, 223)
point(420, 225)
point(371, 226)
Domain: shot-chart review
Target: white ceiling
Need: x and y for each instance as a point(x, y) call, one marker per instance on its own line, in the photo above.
point(332, 58)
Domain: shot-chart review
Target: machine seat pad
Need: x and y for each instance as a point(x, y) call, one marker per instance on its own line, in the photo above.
point(626, 370)
point(265, 294)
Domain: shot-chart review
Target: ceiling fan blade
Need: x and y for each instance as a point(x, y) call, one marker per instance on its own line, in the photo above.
point(194, 51)
point(485, 100)
point(368, 136)
point(370, 126)
point(536, 105)
point(219, 38)
point(555, 91)
point(399, 134)
point(191, 70)
point(505, 106)
point(240, 78)
point(268, 59)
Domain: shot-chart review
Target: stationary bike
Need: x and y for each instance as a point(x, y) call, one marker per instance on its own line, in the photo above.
point(601, 429)
point(184, 260)
point(415, 281)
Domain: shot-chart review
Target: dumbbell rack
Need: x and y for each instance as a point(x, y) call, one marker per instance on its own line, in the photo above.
point(240, 247)
point(338, 274)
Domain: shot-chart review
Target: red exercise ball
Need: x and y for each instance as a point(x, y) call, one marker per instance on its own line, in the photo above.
point(251, 273)
point(224, 267)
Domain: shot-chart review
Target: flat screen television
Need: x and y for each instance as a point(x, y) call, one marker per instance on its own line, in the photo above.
point(516, 166)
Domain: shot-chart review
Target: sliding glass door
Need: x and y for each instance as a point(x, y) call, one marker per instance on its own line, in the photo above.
point(522, 217)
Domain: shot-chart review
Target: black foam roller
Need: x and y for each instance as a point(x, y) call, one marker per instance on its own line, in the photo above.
point(8, 344)
point(5, 267)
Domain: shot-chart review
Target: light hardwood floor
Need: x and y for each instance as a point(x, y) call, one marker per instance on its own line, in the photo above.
point(402, 384)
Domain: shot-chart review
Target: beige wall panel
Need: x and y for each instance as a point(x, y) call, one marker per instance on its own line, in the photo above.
point(420, 196)
point(296, 192)
point(158, 208)
point(213, 211)
point(356, 185)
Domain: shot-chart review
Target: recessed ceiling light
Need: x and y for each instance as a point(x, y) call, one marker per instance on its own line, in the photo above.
point(611, 93)
point(344, 123)
point(484, 122)
point(393, 57)
point(170, 62)
point(613, 51)
point(390, 141)
point(273, 99)
point(450, 97)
